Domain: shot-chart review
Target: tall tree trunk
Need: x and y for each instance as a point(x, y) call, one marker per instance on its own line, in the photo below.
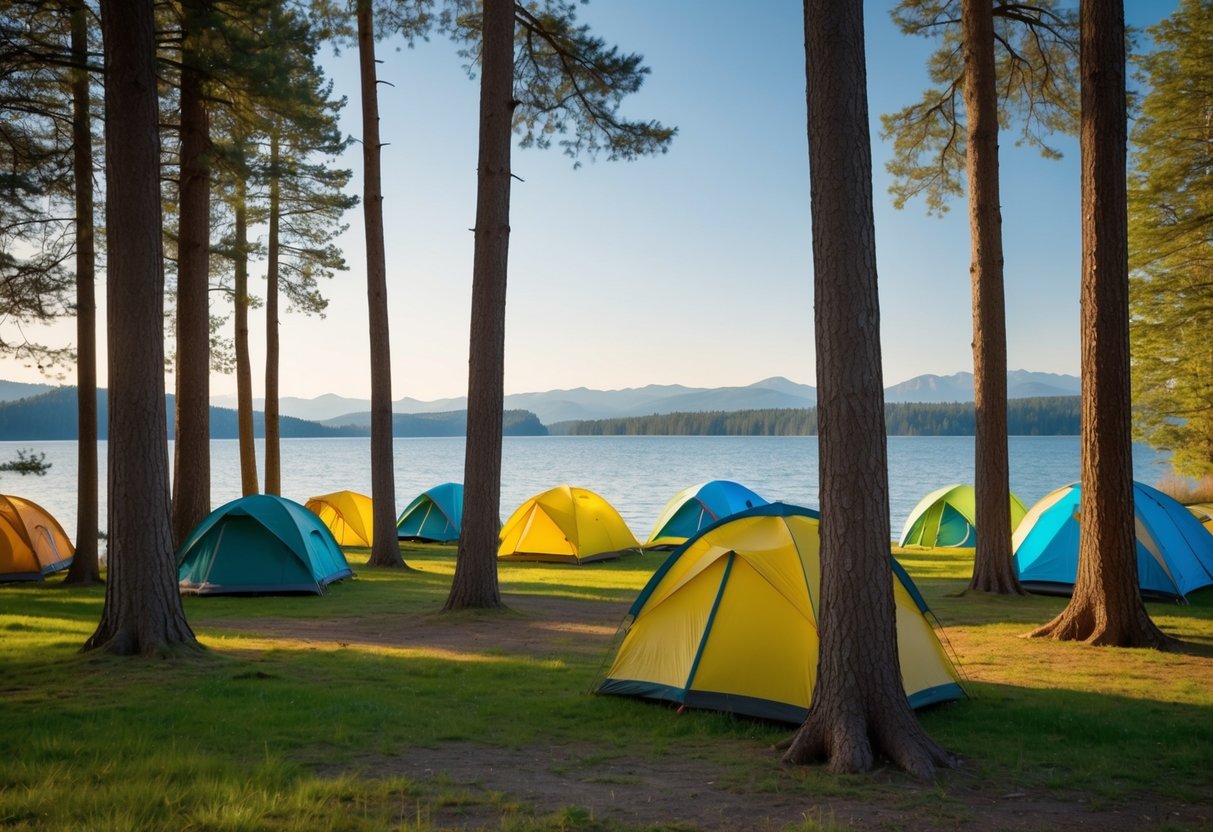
point(859, 705)
point(993, 570)
point(385, 551)
point(244, 368)
point(142, 612)
point(273, 452)
point(1106, 606)
point(85, 568)
point(475, 583)
point(192, 445)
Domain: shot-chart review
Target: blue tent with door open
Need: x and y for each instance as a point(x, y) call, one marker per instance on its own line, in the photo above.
point(1174, 552)
point(260, 545)
point(434, 516)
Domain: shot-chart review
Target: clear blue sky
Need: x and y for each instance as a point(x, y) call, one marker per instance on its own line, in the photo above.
point(692, 267)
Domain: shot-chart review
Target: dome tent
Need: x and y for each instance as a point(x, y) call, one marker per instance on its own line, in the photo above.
point(565, 524)
point(434, 516)
point(348, 515)
point(1174, 552)
point(257, 545)
point(729, 623)
point(946, 518)
point(698, 506)
point(32, 543)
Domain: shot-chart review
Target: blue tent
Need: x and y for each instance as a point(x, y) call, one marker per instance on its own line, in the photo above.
point(259, 545)
point(698, 507)
point(1174, 552)
point(434, 516)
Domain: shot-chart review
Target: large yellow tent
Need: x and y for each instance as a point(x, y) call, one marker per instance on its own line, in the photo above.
point(565, 524)
point(729, 623)
point(32, 543)
point(348, 516)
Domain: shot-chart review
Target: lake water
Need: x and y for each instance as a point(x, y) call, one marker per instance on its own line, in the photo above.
point(636, 474)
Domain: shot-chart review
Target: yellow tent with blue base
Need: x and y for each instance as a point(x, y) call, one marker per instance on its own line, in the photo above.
point(729, 623)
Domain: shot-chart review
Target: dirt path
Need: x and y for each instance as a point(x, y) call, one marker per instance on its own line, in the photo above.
point(671, 792)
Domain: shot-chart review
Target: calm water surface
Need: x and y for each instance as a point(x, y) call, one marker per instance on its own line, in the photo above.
point(636, 474)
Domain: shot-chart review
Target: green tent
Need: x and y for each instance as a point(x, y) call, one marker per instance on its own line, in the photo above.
point(946, 518)
point(259, 545)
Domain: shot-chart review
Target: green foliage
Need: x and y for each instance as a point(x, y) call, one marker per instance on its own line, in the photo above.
point(27, 462)
point(1026, 417)
point(1171, 241)
point(568, 84)
point(1036, 63)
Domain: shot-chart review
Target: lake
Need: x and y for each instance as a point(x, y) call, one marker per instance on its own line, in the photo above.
point(636, 474)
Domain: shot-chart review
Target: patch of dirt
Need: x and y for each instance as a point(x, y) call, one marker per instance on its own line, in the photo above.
point(470, 783)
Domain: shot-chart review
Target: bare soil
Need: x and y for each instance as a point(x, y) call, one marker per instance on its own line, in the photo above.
point(597, 789)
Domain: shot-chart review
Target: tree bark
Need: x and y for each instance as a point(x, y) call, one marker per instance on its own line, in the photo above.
point(142, 612)
point(273, 452)
point(993, 570)
point(85, 568)
point(475, 584)
point(244, 367)
point(192, 444)
point(385, 550)
point(859, 705)
point(1106, 606)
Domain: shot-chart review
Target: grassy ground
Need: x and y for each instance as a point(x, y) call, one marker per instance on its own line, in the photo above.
point(273, 731)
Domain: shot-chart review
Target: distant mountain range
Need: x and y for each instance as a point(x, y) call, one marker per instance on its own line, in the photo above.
point(582, 403)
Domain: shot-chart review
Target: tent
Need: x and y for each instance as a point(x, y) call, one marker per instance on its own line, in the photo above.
point(565, 524)
point(691, 509)
point(434, 515)
point(348, 515)
point(945, 518)
point(1204, 513)
point(258, 545)
point(729, 623)
point(32, 543)
point(1174, 553)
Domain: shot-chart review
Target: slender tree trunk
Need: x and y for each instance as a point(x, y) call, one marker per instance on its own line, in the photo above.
point(475, 583)
point(244, 368)
point(192, 445)
point(273, 453)
point(859, 705)
point(1106, 606)
point(85, 568)
point(385, 550)
point(993, 570)
point(142, 612)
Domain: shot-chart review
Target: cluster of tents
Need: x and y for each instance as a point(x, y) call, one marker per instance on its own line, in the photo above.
point(1174, 542)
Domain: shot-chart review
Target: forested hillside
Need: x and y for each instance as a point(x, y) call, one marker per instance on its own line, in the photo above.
point(1051, 416)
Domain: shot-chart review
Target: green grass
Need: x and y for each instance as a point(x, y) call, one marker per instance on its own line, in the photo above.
point(263, 732)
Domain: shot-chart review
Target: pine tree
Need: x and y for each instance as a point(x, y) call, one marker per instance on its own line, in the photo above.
point(1171, 241)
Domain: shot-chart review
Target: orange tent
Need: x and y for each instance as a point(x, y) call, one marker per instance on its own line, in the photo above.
point(32, 543)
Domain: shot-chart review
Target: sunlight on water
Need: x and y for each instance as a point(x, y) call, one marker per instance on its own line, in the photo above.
point(636, 474)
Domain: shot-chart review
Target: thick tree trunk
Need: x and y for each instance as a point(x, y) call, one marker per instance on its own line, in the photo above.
point(142, 612)
point(192, 444)
point(859, 705)
point(385, 551)
point(244, 365)
point(85, 568)
point(993, 570)
point(1106, 606)
point(475, 583)
point(273, 452)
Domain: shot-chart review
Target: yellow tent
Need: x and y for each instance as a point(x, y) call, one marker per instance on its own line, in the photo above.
point(348, 516)
point(1204, 513)
point(729, 623)
point(32, 543)
point(565, 524)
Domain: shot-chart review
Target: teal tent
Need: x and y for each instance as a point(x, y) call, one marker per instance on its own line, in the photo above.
point(698, 507)
point(259, 545)
point(1174, 552)
point(434, 516)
